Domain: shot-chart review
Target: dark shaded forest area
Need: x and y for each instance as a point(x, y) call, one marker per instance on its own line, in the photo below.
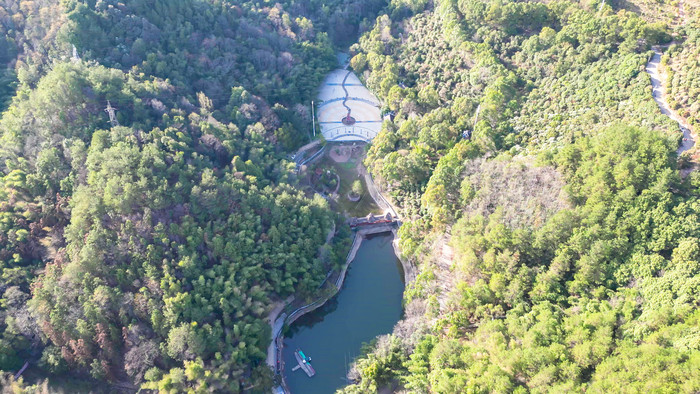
point(148, 250)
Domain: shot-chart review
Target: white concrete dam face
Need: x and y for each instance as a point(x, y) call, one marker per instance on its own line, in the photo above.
point(333, 107)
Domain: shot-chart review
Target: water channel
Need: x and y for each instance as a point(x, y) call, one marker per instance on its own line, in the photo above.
point(368, 305)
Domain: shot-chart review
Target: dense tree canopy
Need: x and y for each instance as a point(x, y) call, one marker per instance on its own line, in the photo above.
point(555, 239)
point(557, 245)
point(148, 249)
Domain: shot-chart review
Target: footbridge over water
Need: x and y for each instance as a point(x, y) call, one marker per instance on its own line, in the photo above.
point(371, 221)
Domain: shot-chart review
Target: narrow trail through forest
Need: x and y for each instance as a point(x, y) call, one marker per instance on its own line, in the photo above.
point(658, 91)
point(658, 84)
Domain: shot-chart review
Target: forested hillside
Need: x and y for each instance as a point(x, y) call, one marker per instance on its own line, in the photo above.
point(146, 250)
point(556, 241)
point(28, 40)
point(149, 219)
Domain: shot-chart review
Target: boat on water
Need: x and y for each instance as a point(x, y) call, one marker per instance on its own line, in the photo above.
point(304, 362)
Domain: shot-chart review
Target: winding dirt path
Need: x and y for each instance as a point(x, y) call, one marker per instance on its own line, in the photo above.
point(658, 87)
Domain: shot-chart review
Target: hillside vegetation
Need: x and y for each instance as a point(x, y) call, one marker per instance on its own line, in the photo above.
point(683, 68)
point(556, 242)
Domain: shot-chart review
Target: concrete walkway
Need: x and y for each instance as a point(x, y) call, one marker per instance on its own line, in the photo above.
point(276, 322)
point(377, 196)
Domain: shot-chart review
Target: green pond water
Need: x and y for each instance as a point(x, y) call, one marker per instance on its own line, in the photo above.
point(368, 305)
